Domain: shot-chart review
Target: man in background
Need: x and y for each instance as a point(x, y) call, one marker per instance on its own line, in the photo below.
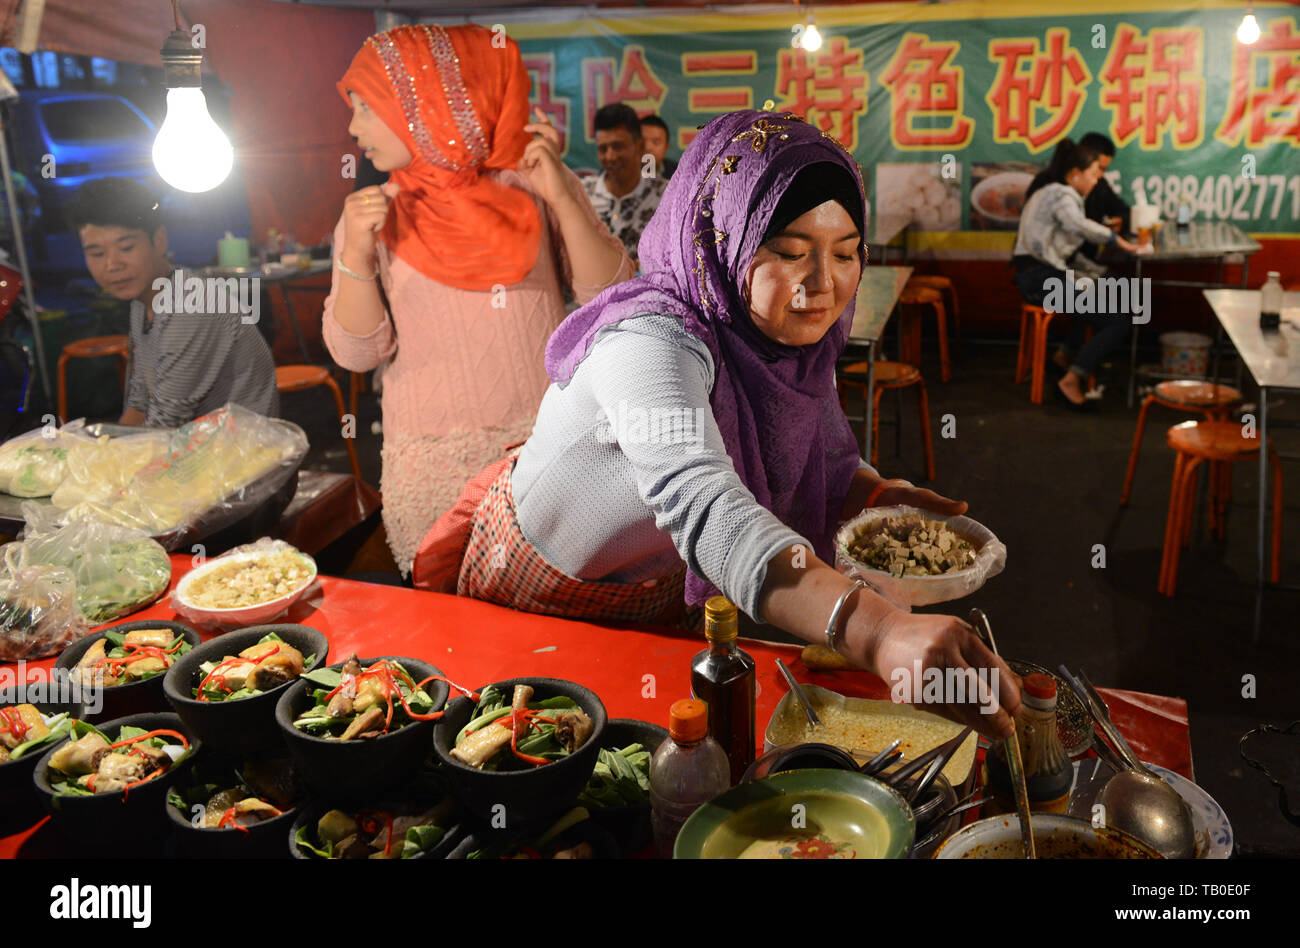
point(184, 364)
point(654, 131)
point(1102, 203)
point(626, 194)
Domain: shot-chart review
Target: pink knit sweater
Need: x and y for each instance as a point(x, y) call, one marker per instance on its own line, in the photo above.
point(465, 370)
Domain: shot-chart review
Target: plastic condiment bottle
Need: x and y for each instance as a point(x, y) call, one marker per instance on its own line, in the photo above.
point(722, 676)
point(1270, 301)
point(1048, 771)
point(687, 770)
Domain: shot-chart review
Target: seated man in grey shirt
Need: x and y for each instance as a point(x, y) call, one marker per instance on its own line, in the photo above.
point(194, 347)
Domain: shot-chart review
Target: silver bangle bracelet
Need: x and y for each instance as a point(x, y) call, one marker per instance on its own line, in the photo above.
point(343, 268)
point(833, 623)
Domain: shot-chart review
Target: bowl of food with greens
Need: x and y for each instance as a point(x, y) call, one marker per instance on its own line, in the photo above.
point(106, 784)
point(126, 664)
point(227, 688)
point(232, 807)
point(27, 731)
point(359, 727)
point(527, 744)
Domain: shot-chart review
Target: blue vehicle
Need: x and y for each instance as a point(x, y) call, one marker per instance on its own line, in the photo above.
point(63, 139)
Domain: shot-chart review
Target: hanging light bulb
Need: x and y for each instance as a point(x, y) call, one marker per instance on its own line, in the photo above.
point(812, 38)
point(191, 152)
point(1248, 31)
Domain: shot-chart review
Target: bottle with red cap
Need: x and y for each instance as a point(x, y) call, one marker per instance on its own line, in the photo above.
point(689, 769)
point(1048, 771)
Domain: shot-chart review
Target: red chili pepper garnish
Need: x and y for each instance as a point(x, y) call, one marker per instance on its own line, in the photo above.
point(368, 820)
point(220, 684)
point(162, 731)
point(231, 816)
point(472, 695)
point(14, 723)
point(515, 718)
point(383, 671)
point(90, 782)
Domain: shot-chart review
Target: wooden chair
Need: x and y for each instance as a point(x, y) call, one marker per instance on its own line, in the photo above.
point(1215, 402)
point(1221, 443)
point(91, 348)
point(918, 295)
point(890, 375)
point(1032, 354)
point(298, 378)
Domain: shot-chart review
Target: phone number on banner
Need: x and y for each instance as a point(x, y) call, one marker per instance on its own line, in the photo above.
point(1223, 197)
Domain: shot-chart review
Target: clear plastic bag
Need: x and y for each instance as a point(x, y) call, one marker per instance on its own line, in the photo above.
point(38, 612)
point(211, 472)
point(908, 591)
point(117, 570)
point(36, 463)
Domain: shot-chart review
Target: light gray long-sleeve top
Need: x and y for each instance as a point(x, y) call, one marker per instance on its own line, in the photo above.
point(626, 473)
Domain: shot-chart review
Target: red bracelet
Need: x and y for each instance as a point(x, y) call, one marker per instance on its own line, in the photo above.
point(882, 487)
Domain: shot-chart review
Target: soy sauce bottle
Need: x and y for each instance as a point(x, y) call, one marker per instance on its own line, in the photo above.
point(723, 677)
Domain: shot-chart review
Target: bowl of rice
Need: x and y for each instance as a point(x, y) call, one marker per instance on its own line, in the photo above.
point(916, 557)
point(247, 586)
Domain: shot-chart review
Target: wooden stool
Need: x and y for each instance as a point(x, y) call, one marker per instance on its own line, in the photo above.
point(1032, 354)
point(1215, 402)
point(917, 295)
point(889, 375)
point(298, 378)
point(1221, 443)
point(90, 348)
point(944, 285)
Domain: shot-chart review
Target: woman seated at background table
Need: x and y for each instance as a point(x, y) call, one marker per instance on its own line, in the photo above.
point(693, 417)
point(454, 271)
point(1053, 227)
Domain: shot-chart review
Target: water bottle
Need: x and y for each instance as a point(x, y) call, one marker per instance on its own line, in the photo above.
point(689, 769)
point(1270, 301)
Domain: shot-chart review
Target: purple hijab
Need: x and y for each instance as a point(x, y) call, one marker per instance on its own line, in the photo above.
point(775, 405)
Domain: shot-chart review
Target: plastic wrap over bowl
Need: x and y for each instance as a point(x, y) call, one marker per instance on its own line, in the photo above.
point(908, 591)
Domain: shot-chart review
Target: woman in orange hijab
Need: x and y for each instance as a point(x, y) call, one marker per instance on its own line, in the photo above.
point(473, 240)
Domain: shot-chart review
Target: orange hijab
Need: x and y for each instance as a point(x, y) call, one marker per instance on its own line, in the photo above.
point(460, 106)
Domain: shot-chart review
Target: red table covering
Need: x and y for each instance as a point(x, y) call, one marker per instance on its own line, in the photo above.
point(637, 671)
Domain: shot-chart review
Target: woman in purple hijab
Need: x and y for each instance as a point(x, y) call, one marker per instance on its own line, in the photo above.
point(692, 440)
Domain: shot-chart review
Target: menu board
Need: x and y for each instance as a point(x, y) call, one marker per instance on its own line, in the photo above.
point(950, 110)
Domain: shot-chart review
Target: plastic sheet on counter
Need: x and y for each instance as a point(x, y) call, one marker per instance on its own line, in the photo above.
point(117, 570)
point(908, 591)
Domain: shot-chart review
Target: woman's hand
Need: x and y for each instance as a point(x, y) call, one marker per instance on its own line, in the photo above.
point(977, 687)
point(541, 162)
point(364, 213)
point(1126, 245)
point(902, 493)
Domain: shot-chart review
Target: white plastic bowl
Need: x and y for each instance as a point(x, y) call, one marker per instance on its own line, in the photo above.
point(240, 616)
point(907, 591)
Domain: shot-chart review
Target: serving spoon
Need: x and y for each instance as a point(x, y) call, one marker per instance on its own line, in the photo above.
point(1137, 801)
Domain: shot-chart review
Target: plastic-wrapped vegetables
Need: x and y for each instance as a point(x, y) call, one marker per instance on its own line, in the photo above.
point(36, 463)
point(38, 612)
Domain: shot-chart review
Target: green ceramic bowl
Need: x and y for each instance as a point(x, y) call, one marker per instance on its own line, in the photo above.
point(801, 814)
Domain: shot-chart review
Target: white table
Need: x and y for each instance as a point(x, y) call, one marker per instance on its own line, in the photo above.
point(1273, 358)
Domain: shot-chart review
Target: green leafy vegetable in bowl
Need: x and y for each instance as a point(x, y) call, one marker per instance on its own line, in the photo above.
point(535, 732)
point(90, 763)
point(561, 841)
point(621, 778)
point(23, 729)
point(392, 833)
point(268, 663)
point(123, 658)
point(259, 790)
point(362, 703)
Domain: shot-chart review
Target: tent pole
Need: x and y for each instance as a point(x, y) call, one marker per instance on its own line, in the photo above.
point(21, 251)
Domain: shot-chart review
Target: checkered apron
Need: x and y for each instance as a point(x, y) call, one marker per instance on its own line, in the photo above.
point(501, 566)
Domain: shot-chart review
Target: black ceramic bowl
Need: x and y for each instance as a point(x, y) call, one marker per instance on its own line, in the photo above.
point(418, 793)
point(601, 840)
point(247, 724)
point(117, 822)
point(527, 795)
point(629, 825)
point(22, 805)
point(140, 697)
point(357, 770)
point(264, 840)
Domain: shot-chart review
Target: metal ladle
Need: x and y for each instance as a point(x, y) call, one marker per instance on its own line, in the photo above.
point(1136, 800)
